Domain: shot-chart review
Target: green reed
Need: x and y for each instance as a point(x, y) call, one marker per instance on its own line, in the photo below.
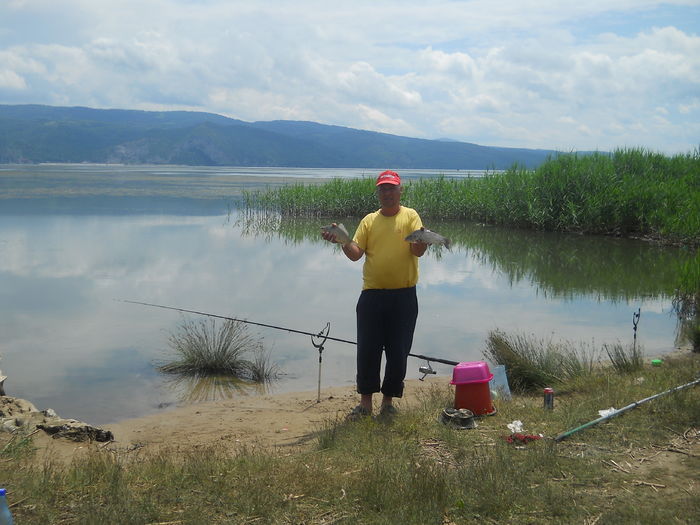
point(336, 198)
point(630, 192)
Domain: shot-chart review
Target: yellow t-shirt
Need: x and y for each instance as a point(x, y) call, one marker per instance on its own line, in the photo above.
point(389, 263)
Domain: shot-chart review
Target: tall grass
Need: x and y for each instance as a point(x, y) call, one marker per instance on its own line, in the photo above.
point(532, 363)
point(630, 192)
point(624, 359)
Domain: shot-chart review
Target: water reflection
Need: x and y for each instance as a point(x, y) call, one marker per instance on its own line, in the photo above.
point(558, 265)
point(68, 345)
point(198, 389)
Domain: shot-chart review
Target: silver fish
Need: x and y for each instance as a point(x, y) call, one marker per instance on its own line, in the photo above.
point(341, 234)
point(429, 237)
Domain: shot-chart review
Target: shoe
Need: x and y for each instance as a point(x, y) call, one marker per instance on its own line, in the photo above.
point(387, 413)
point(460, 419)
point(358, 413)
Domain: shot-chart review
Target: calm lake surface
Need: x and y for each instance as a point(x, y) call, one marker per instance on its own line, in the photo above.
point(74, 240)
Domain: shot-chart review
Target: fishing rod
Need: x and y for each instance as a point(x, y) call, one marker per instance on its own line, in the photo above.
point(317, 339)
point(292, 330)
point(566, 434)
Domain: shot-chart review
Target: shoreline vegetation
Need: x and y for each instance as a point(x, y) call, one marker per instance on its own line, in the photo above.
point(640, 467)
point(628, 193)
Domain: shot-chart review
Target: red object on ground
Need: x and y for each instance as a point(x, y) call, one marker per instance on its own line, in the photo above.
point(475, 397)
point(522, 438)
point(472, 389)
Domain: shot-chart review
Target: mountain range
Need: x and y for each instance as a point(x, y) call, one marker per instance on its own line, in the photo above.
point(39, 134)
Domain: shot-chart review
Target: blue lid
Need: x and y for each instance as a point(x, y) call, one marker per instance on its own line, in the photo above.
point(2, 492)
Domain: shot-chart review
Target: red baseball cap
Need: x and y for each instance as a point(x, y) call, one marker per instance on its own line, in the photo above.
point(388, 177)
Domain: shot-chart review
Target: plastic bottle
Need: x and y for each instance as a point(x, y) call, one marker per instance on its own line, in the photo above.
point(5, 514)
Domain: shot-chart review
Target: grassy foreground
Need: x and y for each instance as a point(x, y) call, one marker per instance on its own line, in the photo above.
point(413, 471)
point(631, 192)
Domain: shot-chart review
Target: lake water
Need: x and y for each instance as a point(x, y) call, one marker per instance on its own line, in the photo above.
point(74, 240)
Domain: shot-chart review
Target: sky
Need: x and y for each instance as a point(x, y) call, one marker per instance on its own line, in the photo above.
point(565, 75)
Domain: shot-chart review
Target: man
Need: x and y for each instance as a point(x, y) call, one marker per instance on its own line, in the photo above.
point(387, 308)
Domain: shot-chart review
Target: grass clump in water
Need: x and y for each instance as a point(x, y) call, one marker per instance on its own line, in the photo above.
point(209, 348)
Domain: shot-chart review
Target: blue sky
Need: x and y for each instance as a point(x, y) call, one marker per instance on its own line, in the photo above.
point(567, 75)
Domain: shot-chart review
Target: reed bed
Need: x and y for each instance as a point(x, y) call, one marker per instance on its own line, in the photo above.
point(630, 192)
point(336, 198)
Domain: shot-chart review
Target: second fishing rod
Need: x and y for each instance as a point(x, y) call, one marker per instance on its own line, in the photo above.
point(317, 339)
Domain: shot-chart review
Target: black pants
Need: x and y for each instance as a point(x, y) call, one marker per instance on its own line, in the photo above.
point(386, 320)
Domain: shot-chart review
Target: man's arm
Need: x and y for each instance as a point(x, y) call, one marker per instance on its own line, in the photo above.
point(352, 251)
point(418, 248)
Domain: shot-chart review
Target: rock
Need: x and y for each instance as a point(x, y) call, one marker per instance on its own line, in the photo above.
point(74, 430)
point(16, 414)
point(10, 406)
point(8, 425)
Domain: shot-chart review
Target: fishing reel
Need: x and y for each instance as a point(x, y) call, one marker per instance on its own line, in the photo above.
point(426, 370)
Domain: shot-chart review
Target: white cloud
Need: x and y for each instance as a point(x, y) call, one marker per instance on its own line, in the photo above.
point(372, 118)
point(694, 105)
point(508, 74)
point(361, 82)
point(11, 80)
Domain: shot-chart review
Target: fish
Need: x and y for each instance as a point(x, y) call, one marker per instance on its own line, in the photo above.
point(428, 237)
point(341, 234)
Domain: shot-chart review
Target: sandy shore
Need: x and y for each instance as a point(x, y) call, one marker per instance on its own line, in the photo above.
point(281, 421)
point(277, 421)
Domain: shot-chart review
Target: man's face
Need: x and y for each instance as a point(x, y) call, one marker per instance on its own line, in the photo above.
point(389, 195)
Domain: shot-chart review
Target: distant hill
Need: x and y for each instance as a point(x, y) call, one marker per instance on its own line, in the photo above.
point(35, 133)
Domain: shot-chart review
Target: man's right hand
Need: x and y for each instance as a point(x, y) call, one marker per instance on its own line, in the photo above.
point(330, 237)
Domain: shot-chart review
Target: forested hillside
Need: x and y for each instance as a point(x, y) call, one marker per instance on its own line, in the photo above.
point(35, 134)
